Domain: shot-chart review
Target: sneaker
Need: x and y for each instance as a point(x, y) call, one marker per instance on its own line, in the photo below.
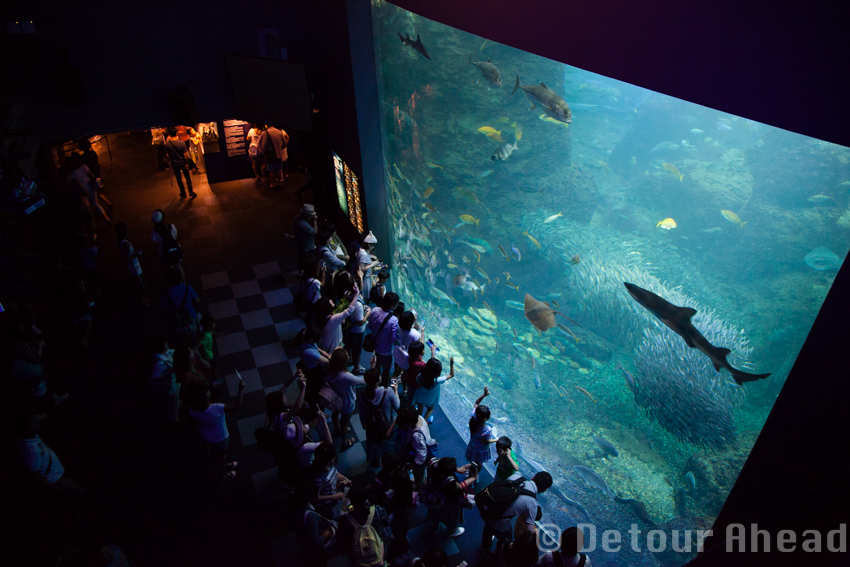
point(182, 195)
point(457, 532)
point(192, 195)
point(431, 419)
point(359, 371)
point(230, 466)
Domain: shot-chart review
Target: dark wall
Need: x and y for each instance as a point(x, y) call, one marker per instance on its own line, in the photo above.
point(128, 57)
point(783, 63)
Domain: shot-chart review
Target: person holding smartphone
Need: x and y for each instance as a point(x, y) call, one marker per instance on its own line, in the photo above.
point(213, 426)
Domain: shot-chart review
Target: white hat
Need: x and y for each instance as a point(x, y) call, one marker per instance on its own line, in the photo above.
point(156, 216)
point(308, 209)
point(294, 432)
point(370, 238)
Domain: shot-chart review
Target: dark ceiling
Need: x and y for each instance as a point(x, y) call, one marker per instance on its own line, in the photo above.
point(782, 63)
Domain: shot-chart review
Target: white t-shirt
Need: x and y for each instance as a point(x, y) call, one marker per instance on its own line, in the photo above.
point(400, 351)
point(313, 290)
point(40, 459)
point(525, 506)
point(82, 175)
point(158, 239)
point(356, 316)
point(211, 423)
point(253, 136)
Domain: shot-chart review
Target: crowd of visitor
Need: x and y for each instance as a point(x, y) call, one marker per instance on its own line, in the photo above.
point(361, 356)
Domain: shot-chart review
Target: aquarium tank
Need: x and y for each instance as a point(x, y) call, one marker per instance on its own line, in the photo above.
point(523, 194)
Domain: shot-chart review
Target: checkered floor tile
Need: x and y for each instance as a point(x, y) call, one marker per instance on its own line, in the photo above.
point(257, 323)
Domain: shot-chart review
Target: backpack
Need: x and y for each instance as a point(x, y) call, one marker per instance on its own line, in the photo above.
point(171, 251)
point(376, 421)
point(376, 294)
point(495, 499)
point(431, 495)
point(367, 549)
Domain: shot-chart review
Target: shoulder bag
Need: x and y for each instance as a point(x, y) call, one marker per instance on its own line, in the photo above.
point(369, 340)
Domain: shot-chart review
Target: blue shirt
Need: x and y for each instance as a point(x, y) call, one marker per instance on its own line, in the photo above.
point(174, 296)
point(331, 260)
point(310, 356)
point(389, 334)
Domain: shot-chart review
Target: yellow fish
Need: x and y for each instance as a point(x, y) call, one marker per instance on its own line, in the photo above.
point(534, 240)
point(553, 217)
point(507, 275)
point(820, 199)
point(495, 136)
point(666, 224)
point(482, 272)
point(465, 260)
point(433, 165)
point(732, 217)
point(673, 169)
point(489, 130)
point(517, 131)
point(545, 118)
point(482, 45)
point(428, 192)
point(451, 266)
point(503, 119)
point(477, 256)
point(505, 254)
point(509, 284)
point(430, 207)
point(468, 219)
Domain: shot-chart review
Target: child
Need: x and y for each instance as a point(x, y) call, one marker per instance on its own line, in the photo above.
point(324, 474)
point(131, 261)
point(205, 345)
point(428, 393)
point(212, 425)
point(376, 294)
point(506, 463)
point(480, 434)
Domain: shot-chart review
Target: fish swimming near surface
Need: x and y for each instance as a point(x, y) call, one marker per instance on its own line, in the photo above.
point(540, 95)
point(592, 479)
point(553, 218)
point(504, 152)
point(696, 131)
point(692, 481)
point(678, 319)
point(516, 252)
point(468, 219)
point(732, 217)
point(673, 169)
point(666, 224)
point(822, 259)
point(416, 45)
point(541, 315)
point(533, 240)
point(607, 447)
point(488, 71)
point(723, 126)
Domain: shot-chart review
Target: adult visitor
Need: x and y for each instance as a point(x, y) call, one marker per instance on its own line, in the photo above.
point(331, 322)
point(165, 235)
point(305, 228)
point(376, 406)
point(430, 381)
point(354, 337)
point(211, 423)
point(343, 383)
point(179, 158)
point(366, 262)
point(272, 144)
point(384, 328)
point(444, 489)
point(525, 505)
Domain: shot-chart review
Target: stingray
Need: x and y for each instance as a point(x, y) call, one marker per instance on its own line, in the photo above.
point(542, 316)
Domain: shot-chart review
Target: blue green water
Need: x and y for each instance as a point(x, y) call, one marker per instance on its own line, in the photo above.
point(745, 223)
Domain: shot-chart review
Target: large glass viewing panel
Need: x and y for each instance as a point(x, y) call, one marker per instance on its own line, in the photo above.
point(523, 193)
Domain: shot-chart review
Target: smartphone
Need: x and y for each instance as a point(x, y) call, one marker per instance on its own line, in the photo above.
point(430, 344)
point(394, 381)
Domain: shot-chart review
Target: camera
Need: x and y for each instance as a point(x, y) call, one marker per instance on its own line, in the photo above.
point(472, 470)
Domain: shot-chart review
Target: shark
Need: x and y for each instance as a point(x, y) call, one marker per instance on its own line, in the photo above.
point(416, 45)
point(679, 320)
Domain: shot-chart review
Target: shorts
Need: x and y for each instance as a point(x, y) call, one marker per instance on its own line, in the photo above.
point(273, 166)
